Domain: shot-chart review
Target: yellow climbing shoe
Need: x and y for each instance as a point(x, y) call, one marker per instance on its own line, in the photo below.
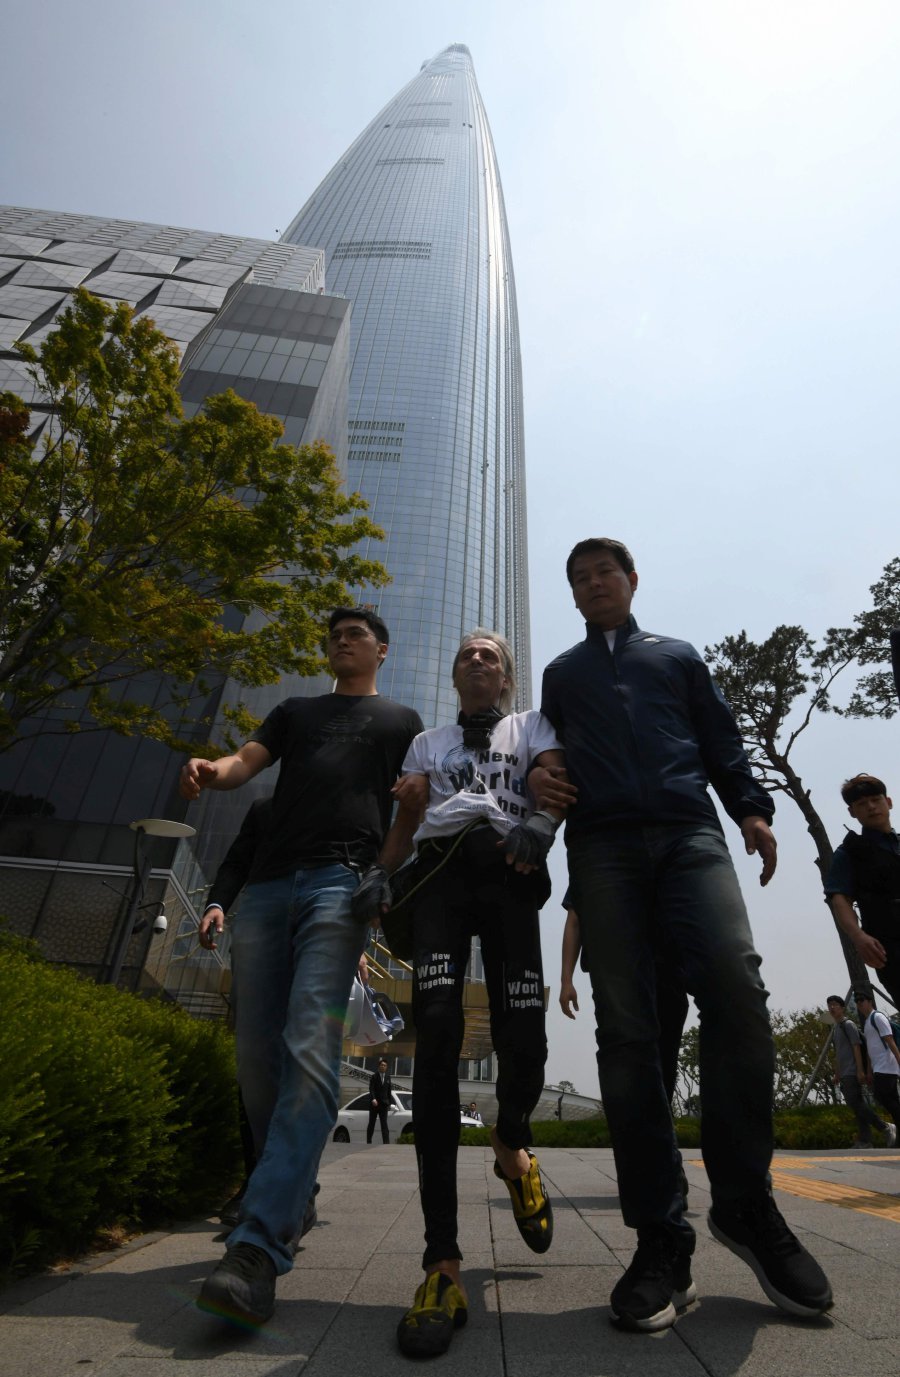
point(439, 1307)
point(531, 1208)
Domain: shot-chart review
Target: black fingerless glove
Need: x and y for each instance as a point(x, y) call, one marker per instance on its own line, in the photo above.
point(372, 894)
point(529, 842)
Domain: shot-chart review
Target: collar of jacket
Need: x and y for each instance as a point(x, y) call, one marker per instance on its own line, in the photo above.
point(597, 636)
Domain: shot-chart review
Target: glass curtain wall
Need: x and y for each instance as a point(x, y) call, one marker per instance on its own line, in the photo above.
point(414, 228)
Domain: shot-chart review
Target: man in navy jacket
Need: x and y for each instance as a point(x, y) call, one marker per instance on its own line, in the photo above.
point(645, 732)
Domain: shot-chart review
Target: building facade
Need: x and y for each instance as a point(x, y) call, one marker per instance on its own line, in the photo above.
point(414, 230)
point(248, 314)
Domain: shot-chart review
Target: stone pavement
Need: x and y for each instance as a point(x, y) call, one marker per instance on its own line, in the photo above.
point(131, 1313)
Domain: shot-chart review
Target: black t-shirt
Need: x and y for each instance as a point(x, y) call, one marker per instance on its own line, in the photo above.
point(340, 755)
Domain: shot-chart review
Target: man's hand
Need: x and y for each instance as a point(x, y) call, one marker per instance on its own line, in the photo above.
point(568, 999)
point(551, 787)
point(870, 949)
point(526, 845)
point(211, 926)
point(362, 969)
point(412, 792)
point(758, 836)
point(372, 897)
point(196, 775)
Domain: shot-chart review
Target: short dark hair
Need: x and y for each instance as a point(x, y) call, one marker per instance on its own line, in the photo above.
point(864, 994)
point(836, 999)
point(598, 543)
point(361, 614)
point(862, 786)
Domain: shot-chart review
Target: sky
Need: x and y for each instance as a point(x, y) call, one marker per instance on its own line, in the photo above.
point(704, 206)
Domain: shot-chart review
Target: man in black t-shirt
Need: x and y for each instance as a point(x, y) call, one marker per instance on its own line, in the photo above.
point(295, 943)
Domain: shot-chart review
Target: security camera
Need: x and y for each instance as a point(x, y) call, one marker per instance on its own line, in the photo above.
point(161, 922)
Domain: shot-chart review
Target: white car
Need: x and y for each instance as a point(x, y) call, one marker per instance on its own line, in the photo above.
point(353, 1119)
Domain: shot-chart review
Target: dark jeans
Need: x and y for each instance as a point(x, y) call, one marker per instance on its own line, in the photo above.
point(885, 1090)
point(638, 891)
point(379, 1111)
point(475, 893)
point(866, 1118)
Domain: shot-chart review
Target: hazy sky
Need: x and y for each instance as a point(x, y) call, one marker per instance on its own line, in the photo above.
point(704, 206)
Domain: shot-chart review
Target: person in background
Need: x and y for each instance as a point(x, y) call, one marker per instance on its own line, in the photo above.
point(380, 1096)
point(884, 1056)
point(865, 870)
point(850, 1075)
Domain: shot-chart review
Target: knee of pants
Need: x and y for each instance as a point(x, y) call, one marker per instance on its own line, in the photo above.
point(522, 1048)
point(439, 1032)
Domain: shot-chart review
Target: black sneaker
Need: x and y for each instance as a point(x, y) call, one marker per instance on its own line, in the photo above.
point(231, 1210)
point(685, 1292)
point(242, 1287)
point(644, 1297)
point(309, 1221)
point(756, 1232)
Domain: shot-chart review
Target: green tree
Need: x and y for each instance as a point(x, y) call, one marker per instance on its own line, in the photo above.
point(875, 694)
point(775, 689)
point(136, 541)
point(687, 1085)
point(799, 1038)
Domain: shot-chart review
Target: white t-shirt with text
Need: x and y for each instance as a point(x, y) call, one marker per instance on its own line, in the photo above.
point(875, 1028)
point(466, 783)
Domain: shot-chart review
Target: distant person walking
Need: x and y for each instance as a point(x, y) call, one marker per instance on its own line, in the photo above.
point(884, 1056)
point(850, 1075)
point(380, 1099)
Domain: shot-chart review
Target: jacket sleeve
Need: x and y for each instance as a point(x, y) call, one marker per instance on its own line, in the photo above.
point(231, 875)
point(722, 750)
point(549, 700)
point(841, 878)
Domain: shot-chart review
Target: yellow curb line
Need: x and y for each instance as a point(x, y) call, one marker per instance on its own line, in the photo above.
point(878, 1203)
point(845, 1197)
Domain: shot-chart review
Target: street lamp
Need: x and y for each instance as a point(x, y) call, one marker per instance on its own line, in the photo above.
point(149, 827)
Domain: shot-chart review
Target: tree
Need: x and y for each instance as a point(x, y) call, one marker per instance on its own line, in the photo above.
point(135, 541)
point(687, 1085)
point(765, 684)
point(799, 1038)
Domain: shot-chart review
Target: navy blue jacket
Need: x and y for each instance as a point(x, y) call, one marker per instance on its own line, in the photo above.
point(646, 731)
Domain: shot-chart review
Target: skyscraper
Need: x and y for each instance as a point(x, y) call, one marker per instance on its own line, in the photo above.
point(414, 229)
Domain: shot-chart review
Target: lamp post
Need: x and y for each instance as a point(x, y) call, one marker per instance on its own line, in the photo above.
point(150, 827)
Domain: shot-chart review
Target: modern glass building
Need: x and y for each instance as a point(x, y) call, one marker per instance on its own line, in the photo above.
point(247, 314)
point(414, 230)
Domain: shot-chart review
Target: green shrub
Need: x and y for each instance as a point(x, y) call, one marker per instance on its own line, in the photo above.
point(112, 1109)
point(815, 1126)
point(202, 1123)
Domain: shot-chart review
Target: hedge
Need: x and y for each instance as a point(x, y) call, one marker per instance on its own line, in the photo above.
point(813, 1126)
point(113, 1110)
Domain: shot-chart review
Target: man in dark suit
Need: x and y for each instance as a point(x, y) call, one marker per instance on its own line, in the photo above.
point(380, 1089)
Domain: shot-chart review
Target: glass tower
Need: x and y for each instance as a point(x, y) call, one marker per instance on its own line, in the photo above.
point(414, 228)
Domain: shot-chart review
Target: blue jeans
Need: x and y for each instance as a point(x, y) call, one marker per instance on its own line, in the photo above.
point(635, 889)
point(295, 949)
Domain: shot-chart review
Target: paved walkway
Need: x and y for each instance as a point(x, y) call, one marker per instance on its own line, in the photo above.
point(131, 1313)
